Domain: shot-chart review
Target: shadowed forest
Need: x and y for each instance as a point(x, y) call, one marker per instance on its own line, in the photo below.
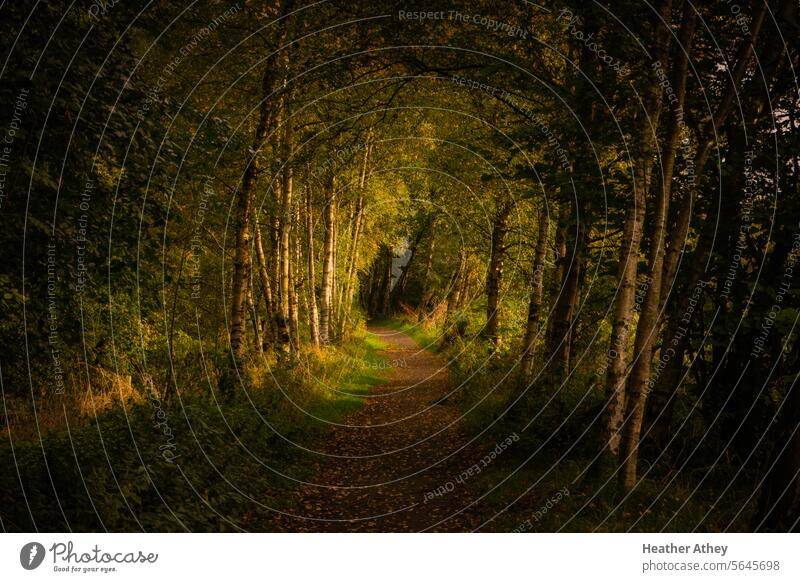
point(389, 266)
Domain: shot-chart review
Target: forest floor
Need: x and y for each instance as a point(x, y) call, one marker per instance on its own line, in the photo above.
point(401, 462)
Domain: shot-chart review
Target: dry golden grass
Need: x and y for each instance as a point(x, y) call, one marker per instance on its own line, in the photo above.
point(23, 419)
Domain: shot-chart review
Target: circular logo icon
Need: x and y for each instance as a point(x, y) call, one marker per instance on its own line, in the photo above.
point(31, 555)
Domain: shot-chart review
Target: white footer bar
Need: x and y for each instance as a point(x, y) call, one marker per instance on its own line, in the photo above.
point(401, 557)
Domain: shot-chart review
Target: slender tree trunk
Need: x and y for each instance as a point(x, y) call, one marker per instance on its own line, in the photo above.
point(328, 264)
point(386, 293)
point(285, 230)
point(244, 197)
point(537, 291)
point(275, 263)
point(621, 325)
point(617, 358)
point(647, 328)
point(564, 310)
point(559, 274)
point(676, 335)
point(495, 275)
point(333, 328)
point(346, 250)
point(352, 268)
point(346, 301)
point(454, 287)
point(378, 281)
point(266, 284)
point(251, 305)
point(400, 285)
point(241, 261)
point(464, 286)
point(313, 315)
point(679, 320)
point(294, 281)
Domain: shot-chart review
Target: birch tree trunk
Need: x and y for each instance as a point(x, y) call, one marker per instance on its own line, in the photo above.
point(328, 264)
point(352, 268)
point(313, 315)
point(266, 284)
point(676, 334)
point(454, 288)
point(386, 294)
point(647, 328)
point(631, 240)
point(402, 279)
point(294, 282)
point(242, 263)
point(244, 194)
point(251, 305)
point(285, 230)
point(537, 291)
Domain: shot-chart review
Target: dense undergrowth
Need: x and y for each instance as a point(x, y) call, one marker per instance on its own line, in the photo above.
point(202, 462)
point(559, 426)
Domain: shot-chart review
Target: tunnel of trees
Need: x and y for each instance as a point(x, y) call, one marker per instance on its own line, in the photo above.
point(212, 212)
